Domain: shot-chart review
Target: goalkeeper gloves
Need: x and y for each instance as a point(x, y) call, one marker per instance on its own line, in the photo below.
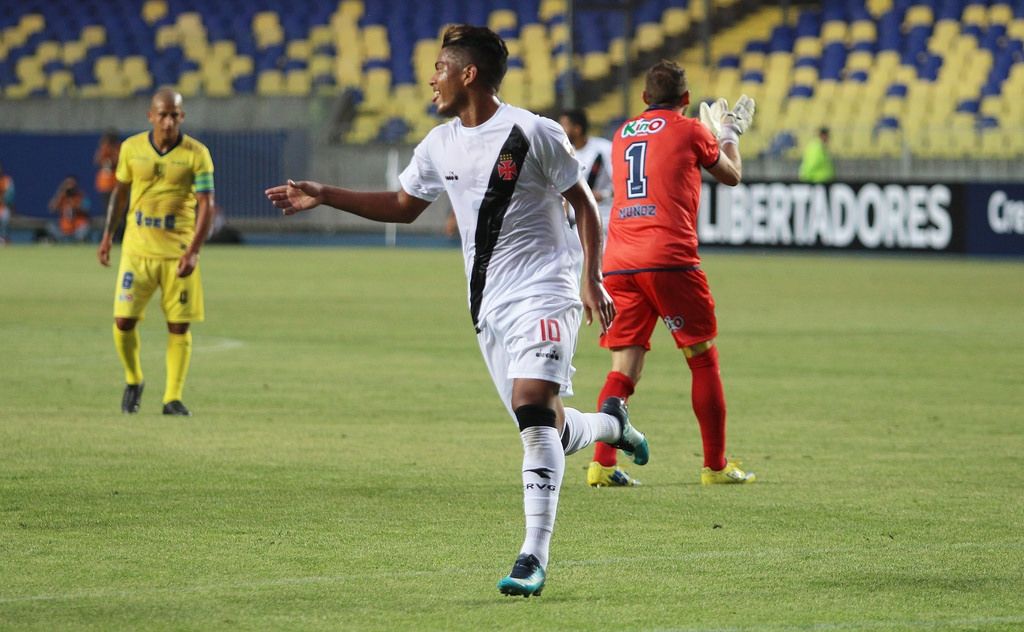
point(736, 121)
point(727, 125)
point(711, 115)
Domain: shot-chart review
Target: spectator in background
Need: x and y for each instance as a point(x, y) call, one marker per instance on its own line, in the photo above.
point(595, 157)
point(106, 162)
point(816, 166)
point(6, 204)
point(72, 209)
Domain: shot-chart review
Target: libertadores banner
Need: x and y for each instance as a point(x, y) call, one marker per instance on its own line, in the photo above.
point(902, 217)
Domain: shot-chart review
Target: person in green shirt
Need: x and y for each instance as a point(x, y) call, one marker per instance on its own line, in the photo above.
point(816, 165)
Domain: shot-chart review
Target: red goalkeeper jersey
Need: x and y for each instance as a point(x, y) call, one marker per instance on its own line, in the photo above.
point(656, 163)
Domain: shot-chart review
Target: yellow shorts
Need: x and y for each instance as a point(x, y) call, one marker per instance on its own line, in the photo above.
point(137, 279)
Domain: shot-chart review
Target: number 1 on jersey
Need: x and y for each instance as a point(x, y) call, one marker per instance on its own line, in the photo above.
point(636, 183)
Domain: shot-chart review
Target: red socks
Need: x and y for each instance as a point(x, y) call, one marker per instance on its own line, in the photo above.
point(615, 385)
point(709, 406)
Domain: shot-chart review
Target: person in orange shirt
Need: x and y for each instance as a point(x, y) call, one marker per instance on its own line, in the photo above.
point(6, 204)
point(72, 209)
point(105, 160)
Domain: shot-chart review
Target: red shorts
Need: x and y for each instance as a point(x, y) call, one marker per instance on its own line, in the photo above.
point(681, 298)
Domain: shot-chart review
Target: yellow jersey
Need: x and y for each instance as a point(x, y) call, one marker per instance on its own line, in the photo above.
point(161, 219)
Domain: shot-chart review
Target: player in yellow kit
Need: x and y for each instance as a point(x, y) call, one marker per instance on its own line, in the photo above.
point(165, 186)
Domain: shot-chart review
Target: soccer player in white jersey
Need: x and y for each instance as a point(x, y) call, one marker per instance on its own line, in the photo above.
point(506, 172)
point(595, 156)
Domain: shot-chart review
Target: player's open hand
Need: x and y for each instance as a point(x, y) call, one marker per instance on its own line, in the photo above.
point(295, 196)
point(596, 299)
point(187, 264)
point(103, 252)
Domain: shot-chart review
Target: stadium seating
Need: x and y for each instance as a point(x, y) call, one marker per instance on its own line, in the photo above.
point(937, 78)
point(940, 79)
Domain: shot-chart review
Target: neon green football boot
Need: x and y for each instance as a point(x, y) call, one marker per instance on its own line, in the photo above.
point(601, 476)
point(731, 474)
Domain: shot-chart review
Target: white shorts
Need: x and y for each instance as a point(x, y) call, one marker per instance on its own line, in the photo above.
point(532, 339)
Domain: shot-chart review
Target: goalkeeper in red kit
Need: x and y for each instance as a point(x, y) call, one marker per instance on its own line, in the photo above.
point(651, 266)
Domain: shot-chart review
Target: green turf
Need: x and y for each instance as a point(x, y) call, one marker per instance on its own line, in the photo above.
point(349, 466)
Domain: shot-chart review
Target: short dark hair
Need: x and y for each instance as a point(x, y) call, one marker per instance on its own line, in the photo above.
point(666, 83)
point(578, 116)
point(484, 49)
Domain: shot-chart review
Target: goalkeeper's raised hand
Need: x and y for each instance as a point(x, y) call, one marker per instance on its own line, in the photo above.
point(737, 120)
point(711, 115)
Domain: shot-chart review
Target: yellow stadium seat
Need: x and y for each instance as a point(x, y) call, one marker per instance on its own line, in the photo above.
point(298, 83)
point(559, 34)
point(267, 29)
point(60, 83)
point(595, 65)
point(376, 87)
point(513, 88)
point(351, 9)
point(877, 8)
point(863, 31)
point(893, 106)
point(918, 15)
point(240, 66)
point(675, 20)
point(167, 35)
point(375, 42)
point(551, 8)
point(649, 36)
point(17, 91)
point(1016, 29)
point(270, 83)
point(752, 61)
point(136, 72)
point(833, 31)
point(94, 35)
point(975, 14)
point(299, 49)
point(31, 23)
point(72, 53)
point(321, 65)
point(365, 128)
point(807, 47)
point(153, 10)
point(190, 22)
point(190, 83)
point(805, 76)
point(860, 60)
point(320, 34)
point(501, 19)
point(218, 86)
point(991, 106)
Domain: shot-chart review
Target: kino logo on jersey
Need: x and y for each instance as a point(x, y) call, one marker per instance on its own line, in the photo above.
point(507, 169)
point(639, 127)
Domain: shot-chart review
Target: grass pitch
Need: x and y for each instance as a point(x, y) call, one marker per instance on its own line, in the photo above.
point(349, 466)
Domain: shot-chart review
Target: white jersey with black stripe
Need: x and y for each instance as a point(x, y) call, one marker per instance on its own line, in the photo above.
point(504, 179)
point(595, 158)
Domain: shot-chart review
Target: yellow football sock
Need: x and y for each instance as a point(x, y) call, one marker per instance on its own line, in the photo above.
point(128, 344)
point(179, 353)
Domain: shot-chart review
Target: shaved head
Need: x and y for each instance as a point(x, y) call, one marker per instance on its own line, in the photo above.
point(167, 96)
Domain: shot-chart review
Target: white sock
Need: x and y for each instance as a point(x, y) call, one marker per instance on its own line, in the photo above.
point(583, 429)
point(543, 467)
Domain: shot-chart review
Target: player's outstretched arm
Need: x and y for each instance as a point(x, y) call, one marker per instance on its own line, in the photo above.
point(588, 222)
point(385, 206)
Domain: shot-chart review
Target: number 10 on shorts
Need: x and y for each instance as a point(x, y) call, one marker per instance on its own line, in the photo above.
point(549, 330)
